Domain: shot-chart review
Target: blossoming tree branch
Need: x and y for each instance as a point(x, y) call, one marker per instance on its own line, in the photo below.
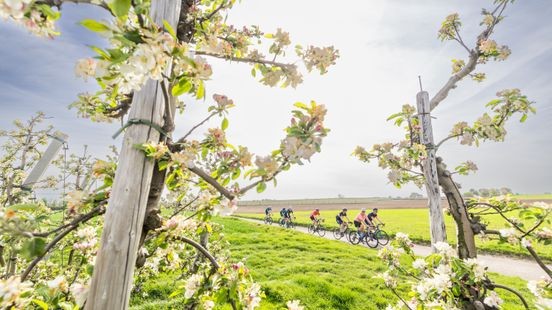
point(157, 52)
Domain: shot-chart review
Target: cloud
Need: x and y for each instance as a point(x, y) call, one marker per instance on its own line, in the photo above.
point(384, 46)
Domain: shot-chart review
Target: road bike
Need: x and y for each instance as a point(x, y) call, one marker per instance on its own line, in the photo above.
point(317, 227)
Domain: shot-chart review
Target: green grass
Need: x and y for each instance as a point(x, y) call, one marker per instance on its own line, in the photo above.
point(323, 274)
point(415, 222)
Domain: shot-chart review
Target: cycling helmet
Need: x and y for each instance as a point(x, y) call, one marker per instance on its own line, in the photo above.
point(317, 209)
point(375, 209)
point(363, 210)
point(344, 209)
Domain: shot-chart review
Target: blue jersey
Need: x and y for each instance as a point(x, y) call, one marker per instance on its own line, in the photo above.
point(267, 210)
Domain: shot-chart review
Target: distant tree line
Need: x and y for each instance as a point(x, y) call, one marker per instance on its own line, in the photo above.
point(488, 192)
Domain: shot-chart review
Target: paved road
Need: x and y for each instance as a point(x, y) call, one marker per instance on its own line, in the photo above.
point(523, 268)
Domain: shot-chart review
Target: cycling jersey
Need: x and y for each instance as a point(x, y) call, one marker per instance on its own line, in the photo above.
point(283, 213)
point(289, 212)
point(315, 213)
point(268, 210)
point(361, 218)
point(372, 216)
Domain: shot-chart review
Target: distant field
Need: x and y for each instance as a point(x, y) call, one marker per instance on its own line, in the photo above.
point(257, 206)
point(415, 222)
point(323, 274)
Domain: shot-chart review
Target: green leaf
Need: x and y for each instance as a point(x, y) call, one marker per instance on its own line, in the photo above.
point(183, 86)
point(200, 93)
point(94, 25)
point(51, 14)
point(33, 247)
point(253, 72)
point(224, 124)
point(119, 7)
point(392, 116)
point(41, 304)
point(236, 174)
point(300, 105)
point(22, 207)
point(261, 187)
point(523, 118)
point(169, 28)
point(101, 52)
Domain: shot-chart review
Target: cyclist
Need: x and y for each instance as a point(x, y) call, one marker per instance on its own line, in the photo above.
point(360, 222)
point(371, 216)
point(315, 217)
point(340, 219)
point(283, 215)
point(289, 214)
point(268, 212)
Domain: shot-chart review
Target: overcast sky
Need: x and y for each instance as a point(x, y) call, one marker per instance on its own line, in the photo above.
point(384, 45)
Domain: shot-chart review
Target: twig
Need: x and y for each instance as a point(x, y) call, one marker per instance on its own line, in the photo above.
point(201, 249)
point(58, 238)
point(494, 285)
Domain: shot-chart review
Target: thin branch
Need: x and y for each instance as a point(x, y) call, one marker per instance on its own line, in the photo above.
point(72, 223)
point(201, 249)
point(244, 59)
point(54, 242)
point(183, 139)
point(539, 261)
point(446, 139)
point(184, 207)
point(209, 179)
point(494, 285)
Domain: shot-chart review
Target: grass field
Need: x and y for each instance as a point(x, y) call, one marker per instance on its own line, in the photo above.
point(323, 274)
point(415, 222)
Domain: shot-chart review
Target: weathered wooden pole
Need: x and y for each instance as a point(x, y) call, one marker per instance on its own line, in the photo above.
point(436, 220)
point(114, 268)
point(58, 140)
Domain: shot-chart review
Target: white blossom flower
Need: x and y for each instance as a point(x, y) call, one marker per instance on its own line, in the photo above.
point(419, 263)
point(525, 243)
point(192, 285)
point(493, 300)
point(85, 68)
point(58, 284)
point(208, 304)
point(294, 305)
point(253, 297)
point(79, 292)
point(506, 233)
point(444, 249)
point(11, 290)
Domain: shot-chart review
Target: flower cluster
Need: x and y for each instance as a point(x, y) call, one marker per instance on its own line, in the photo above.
point(450, 27)
point(38, 19)
point(542, 290)
point(489, 49)
point(440, 280)
point(87, 239)
point(13, 292)
point(319, 58)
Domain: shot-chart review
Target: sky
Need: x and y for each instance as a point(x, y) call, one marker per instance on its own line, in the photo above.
point(384, 46)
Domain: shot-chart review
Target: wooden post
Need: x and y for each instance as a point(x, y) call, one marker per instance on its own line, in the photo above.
point(58, 139)
point(436, 220)
point(114, 268)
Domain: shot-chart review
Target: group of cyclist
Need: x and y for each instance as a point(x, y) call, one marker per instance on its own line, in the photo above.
point(363, 222)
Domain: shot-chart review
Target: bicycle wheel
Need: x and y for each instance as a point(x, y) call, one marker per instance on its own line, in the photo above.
point(337, 233)
point(321, 231)
point(383, 237)
point(354, 238)
point(371, 240)
point(310, 229)
point(269, 221)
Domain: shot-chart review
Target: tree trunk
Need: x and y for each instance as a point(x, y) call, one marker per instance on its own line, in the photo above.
point(464, 232)
point(437, 221)
point(113, 272)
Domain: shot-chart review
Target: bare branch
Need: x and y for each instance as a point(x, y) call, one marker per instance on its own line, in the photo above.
point(58, 238)
point(244, 59)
